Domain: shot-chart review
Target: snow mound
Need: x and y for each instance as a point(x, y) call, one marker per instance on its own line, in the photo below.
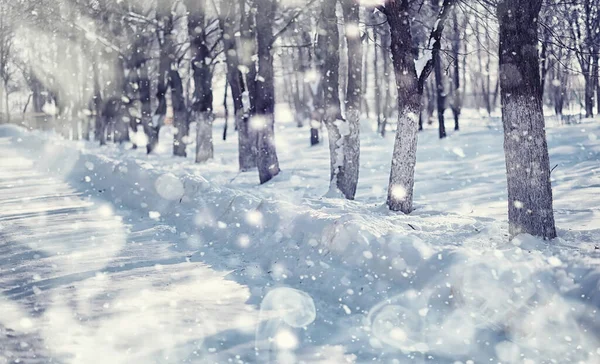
point(442, 285)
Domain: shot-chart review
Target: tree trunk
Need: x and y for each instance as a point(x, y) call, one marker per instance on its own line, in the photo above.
point(377, 86)
point(595, 77)
point(589, 95)
point(527, 162)
point(439, 88)
point(402, 175)
point(440, 96)
point(97, 101)
point(164, 65)
point(202, 104)
point(226, 108)
point(348, 180)
point(590, 85)
point(338, 129)
point(146, 109)
point(268, 164)
point(385, 40)
point(248, 52)
point(457, 95)
point(120, 123)
point(246, 137)
point(6, 95)
point(180, 114)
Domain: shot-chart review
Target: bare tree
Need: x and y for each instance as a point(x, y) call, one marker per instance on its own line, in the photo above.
point(409, 87)
point(6, 53)
point(348, 180)
point(246, 136)
point(202, 103)
point(527, 161)
point(264, 119)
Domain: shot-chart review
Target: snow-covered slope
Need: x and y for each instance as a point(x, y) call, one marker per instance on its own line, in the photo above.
point(348, 280)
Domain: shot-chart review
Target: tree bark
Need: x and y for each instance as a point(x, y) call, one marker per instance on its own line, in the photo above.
point(401, 184)
point(338, 129)
point(525, 146)
point(440, 96)
point(164, 65)
point(439, 88)
point(348, 180)
point(145, 92)
point(246, 137)
point(180, 114)
point(376, 80)
point(457, 94)
point(202, 101)
point(264, 119)
point(97, 102)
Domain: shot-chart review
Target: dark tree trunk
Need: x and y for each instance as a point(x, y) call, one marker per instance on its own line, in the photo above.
point(400, 190)
point(440, 96)
point(595, 77)
point(376, 84)
point(37, 97)
point(314, 135)
point(202, 102)
point(348, 180)
point(120, 123)
point(591, 79)
point(264, 118)
point(145, 99)
point(226, 108)
point(457, 94)
point(527, 162)
point(180, 114)
point(248, 34)
point(164, 65)
point(246, 137)
point(544, 61)
point(589, 95)
point(97, 103)
point(387, 101)
point(439, 88)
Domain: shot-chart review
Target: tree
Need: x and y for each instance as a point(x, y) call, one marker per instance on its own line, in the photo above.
point(202, 103)
point(338, 129)
point(264, 119)
point(409, 87)
point(246, 136)
point(457, 98)
point(6, 54)
point(348, 180)
point(584, 21)
point(440, 92)
point(525, 146)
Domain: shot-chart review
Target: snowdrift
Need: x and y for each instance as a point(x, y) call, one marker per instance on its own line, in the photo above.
point(430, 286)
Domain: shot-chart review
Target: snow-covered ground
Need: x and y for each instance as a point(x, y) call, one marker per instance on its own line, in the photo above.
point(111, 256)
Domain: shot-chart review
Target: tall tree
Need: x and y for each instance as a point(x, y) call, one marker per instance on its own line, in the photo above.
point(409, 87)
point(348, 181)
point(202, 101)
point(584, 20)
point(457, 92)
point(246, 136)
point(166, 49)
point(525, 146)
point(328, 61)
point(440, 93)
point(264, 118)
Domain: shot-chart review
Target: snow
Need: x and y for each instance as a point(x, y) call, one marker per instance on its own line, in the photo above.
point(109, 255)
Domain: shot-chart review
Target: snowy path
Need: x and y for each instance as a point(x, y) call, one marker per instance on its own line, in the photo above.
point(78, 279)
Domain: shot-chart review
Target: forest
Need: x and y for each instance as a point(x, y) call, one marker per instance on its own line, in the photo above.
point(441, 155)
